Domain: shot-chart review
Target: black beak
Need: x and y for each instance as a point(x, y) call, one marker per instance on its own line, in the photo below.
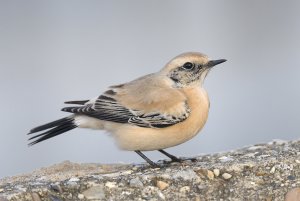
point(212, 63)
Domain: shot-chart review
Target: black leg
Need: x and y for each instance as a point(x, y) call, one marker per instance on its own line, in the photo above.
point(173, 158)
point(152, 164)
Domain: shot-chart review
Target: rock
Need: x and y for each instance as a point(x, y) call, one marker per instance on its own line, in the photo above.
point(216, 172)
point(56, 187)
point(149, 192)
point(35, 197)
point(272, 171)
point(136, 182)
point(210, 175)
point(226, 175)
point(185, 189)
point(161, 195)
point(80, 196)
point(187, 175)
point(74, 179)
point(269, 175)
point(162, 185)
point(111, 184)
point(94, 193)
point(293, 195)
point(225, 159)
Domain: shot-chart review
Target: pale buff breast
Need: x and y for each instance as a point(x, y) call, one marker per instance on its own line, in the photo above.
point(131, 138)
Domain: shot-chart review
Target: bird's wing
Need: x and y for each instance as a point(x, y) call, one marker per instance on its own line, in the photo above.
point(106, 107)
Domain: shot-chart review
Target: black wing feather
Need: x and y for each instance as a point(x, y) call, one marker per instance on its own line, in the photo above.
point(108, 109)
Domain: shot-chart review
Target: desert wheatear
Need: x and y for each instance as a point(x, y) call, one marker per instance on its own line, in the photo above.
point(153, 112)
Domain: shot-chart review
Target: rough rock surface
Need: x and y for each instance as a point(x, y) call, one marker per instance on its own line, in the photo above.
point(260, 172)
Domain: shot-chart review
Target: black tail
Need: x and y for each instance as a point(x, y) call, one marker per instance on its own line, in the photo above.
point(53, 129)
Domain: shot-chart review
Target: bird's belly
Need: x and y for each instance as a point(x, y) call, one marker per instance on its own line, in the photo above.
point(132, 138)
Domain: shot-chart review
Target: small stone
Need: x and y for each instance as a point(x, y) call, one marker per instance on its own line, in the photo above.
point(162, 185)
point(69, 197)
point(94, 193)
point(186, 175)
point(293, 195)
point(125, 193)
point(148, 192)
point(111, 184)
point(74, 179)
point(273, 169)
point(255, 147)
point(127, 172)
point(136, 182)
point(226, 175)
point(210, 175)
point(35, 197)
point(269, 198)
point(225, 159)
point(297, 161)
point(1, 190)
point(216, 172)
point(80, 196)
point(56, 187)
point(184, 189)
point(197, 198)
point(201, 187)
point(161, 195)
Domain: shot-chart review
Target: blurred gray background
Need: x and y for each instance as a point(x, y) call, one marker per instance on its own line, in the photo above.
point(53, 51)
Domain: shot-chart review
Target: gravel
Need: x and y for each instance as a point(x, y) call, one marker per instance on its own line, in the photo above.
point(260, 172)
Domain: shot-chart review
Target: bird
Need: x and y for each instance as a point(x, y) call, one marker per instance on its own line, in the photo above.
point(151, 113)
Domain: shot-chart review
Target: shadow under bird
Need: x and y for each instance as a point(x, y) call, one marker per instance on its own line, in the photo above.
point(153, 112)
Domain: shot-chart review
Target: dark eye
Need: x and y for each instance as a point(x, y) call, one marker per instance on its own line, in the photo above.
point(188, 66)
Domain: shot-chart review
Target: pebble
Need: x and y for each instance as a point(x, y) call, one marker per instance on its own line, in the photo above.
point(70, 196)
point(293, 195)
point(255, 147)
point(210, 175)
point(80, 196)
point(216, 172)
point(94, 193)
point(1, 190)
point(56, 187)
point(74, 179)
point(148, 192)
point(273, 169)
point(225, 159)
point(126, 193)
point(162, 185)
point(185, 189)
point(226, 175)
point(186, 175)
point(297, 161)
point(197, 198)
point(136, 182)
point(111, 184)
point(161, 195)
point(35, 197)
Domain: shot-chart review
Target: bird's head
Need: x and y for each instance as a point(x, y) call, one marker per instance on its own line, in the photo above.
point(189, 69)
